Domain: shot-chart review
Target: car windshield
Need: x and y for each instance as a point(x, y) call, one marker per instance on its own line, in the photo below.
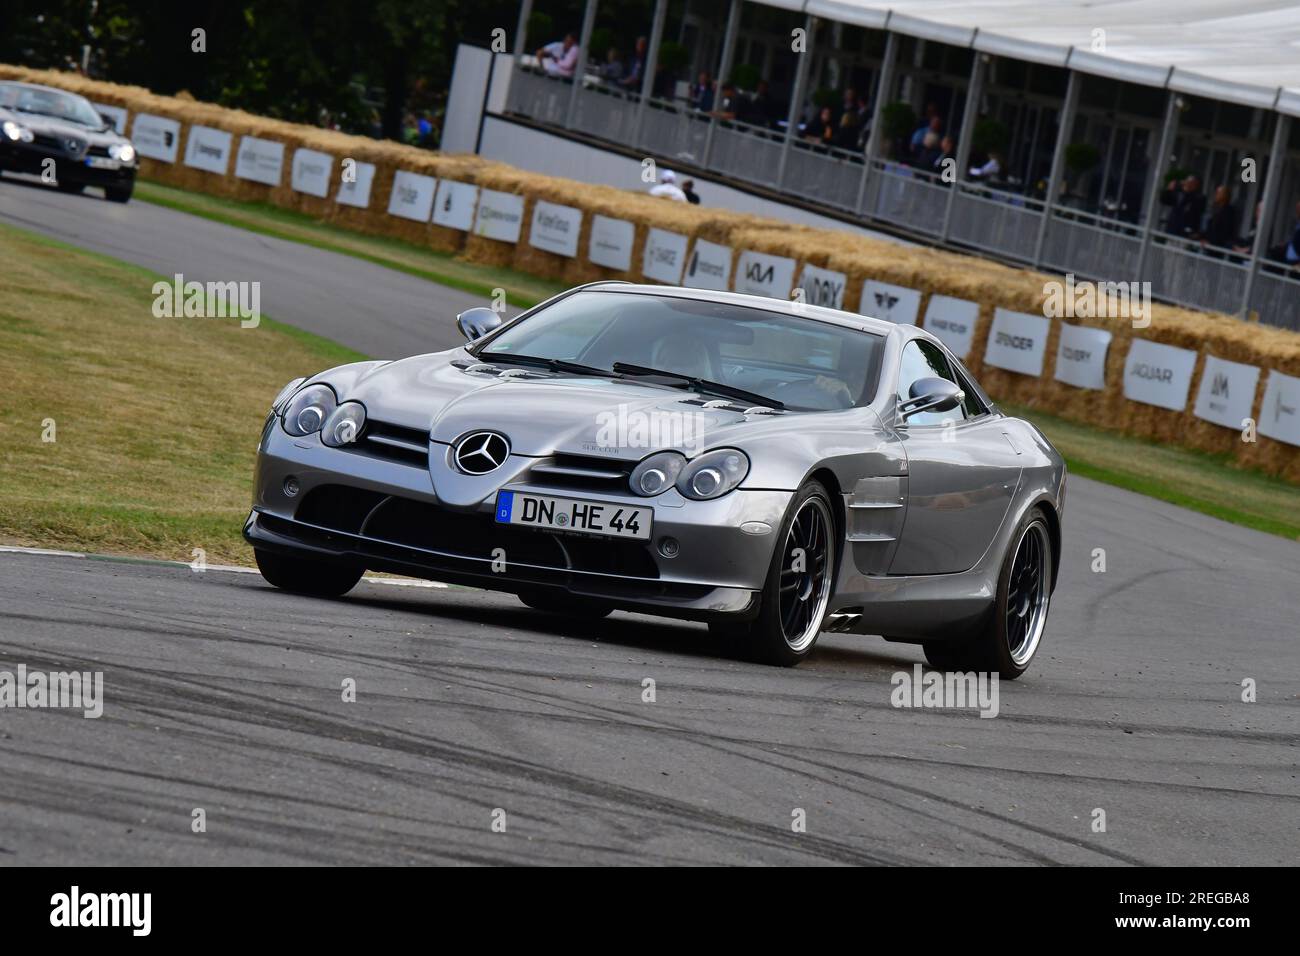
point(805, 364)
point(64, 106)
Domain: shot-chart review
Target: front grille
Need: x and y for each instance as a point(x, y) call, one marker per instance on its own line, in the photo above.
point(64, 144)
point(582, 473)
point(419, 524)
point(382, 440)
point(97, 151)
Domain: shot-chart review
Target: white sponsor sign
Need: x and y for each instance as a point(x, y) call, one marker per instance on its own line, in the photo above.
point(454, 205)
point(1158, 374)
point(664, 256)
point(501, 216)
point(555, 228)
point(412, 196)
point(760, 274)
point(1081, 356)
point(894, 303)
point(114, 113)
point(823, 286)
point(952, 320)
point(311, 172)
point(611, 243)
point(1017, 342)
point(1227, 392)
point(208, 149)
point(1279, 416)
point(156, 137)
point(261, 160)
point(709, 266)
point(356, 193)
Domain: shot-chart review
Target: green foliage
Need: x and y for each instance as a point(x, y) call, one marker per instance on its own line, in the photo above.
point(989, 136)
point(1081, 157)
point(745, 76)
point(672, 56)
point(897, 120)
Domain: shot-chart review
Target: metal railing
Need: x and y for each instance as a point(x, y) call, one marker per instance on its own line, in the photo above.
point(1276, 296)
point(992, 219)
point(906, 197)
point(1182, 271)
point(1100, 247)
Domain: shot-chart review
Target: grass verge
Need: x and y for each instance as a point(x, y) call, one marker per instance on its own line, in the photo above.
point(522, 289)
point(154, 421)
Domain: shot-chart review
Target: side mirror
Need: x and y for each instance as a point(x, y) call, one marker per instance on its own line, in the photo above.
point(478, 322)
point(932, 395)
point(109, 122)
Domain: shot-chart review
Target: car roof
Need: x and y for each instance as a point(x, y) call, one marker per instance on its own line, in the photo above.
point(766, 303)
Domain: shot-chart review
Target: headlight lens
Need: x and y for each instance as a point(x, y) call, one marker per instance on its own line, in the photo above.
point(16, 132)
point(714, 474)
point(344, 424)
point(309, 409)
point(657, 473)
point(122, 151)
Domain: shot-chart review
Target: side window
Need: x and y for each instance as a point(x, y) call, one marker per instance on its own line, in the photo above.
point(922, 360)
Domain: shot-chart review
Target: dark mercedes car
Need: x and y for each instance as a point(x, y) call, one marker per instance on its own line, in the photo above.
point(47, 132)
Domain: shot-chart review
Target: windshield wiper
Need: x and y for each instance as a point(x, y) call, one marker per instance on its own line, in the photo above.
point(538, 361)
point(701, 385)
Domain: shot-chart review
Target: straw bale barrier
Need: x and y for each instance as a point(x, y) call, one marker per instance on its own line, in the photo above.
point(929, 272)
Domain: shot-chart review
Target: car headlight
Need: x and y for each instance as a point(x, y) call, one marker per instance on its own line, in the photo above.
point(123, 152)
point(714, 474)
point(344, 424)
point(656, 474)
point(15, 132)
point(285, 393)
point(308, 410)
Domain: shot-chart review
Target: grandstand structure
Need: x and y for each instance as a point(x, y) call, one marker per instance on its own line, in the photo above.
point(1094, 107)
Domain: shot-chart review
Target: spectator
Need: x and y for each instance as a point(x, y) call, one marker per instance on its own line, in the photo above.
point(1289, 251)
point(762, 111)
point(688, 188)
point(612, 70)
point(990, 170)
point(560, 58)
point(702, 93)
point(728, 106)
point(933, 123)
point(1188, 210)
point(667, 187)
point(1221, 227)
point(947, 151)
point(821, 130)
point(929, 152)
point(632, 81)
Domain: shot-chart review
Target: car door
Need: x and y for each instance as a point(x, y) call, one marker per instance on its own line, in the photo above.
point(962, 472)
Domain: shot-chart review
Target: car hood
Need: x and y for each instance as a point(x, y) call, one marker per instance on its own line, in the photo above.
point(52, 126)
point(543, 413)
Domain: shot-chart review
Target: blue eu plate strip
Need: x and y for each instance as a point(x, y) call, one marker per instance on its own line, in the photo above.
point(505, 504)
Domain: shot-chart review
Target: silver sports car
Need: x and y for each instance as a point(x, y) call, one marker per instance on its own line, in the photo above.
point(773, 468)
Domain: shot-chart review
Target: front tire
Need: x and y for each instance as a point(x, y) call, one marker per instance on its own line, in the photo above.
point(305, 576)
point(119, 193)
point(798, 587)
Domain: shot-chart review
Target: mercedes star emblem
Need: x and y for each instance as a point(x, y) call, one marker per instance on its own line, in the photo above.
point(481, 452)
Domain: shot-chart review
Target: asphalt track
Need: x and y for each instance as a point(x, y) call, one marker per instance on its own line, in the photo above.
point(223, 694)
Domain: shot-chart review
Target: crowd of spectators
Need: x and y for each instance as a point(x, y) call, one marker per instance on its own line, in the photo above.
point(1214, 224)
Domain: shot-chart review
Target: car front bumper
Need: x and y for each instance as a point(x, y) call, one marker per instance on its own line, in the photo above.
point(20, 157)
point(386, 515)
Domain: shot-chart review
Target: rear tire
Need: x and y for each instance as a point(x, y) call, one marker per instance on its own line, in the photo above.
point(566, 604)
point(797, 592)
point(1009, 638)
point(119, 193)
point(305, 576)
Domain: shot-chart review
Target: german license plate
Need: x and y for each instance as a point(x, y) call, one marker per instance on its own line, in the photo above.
point(569, 514)
point(102, 162)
